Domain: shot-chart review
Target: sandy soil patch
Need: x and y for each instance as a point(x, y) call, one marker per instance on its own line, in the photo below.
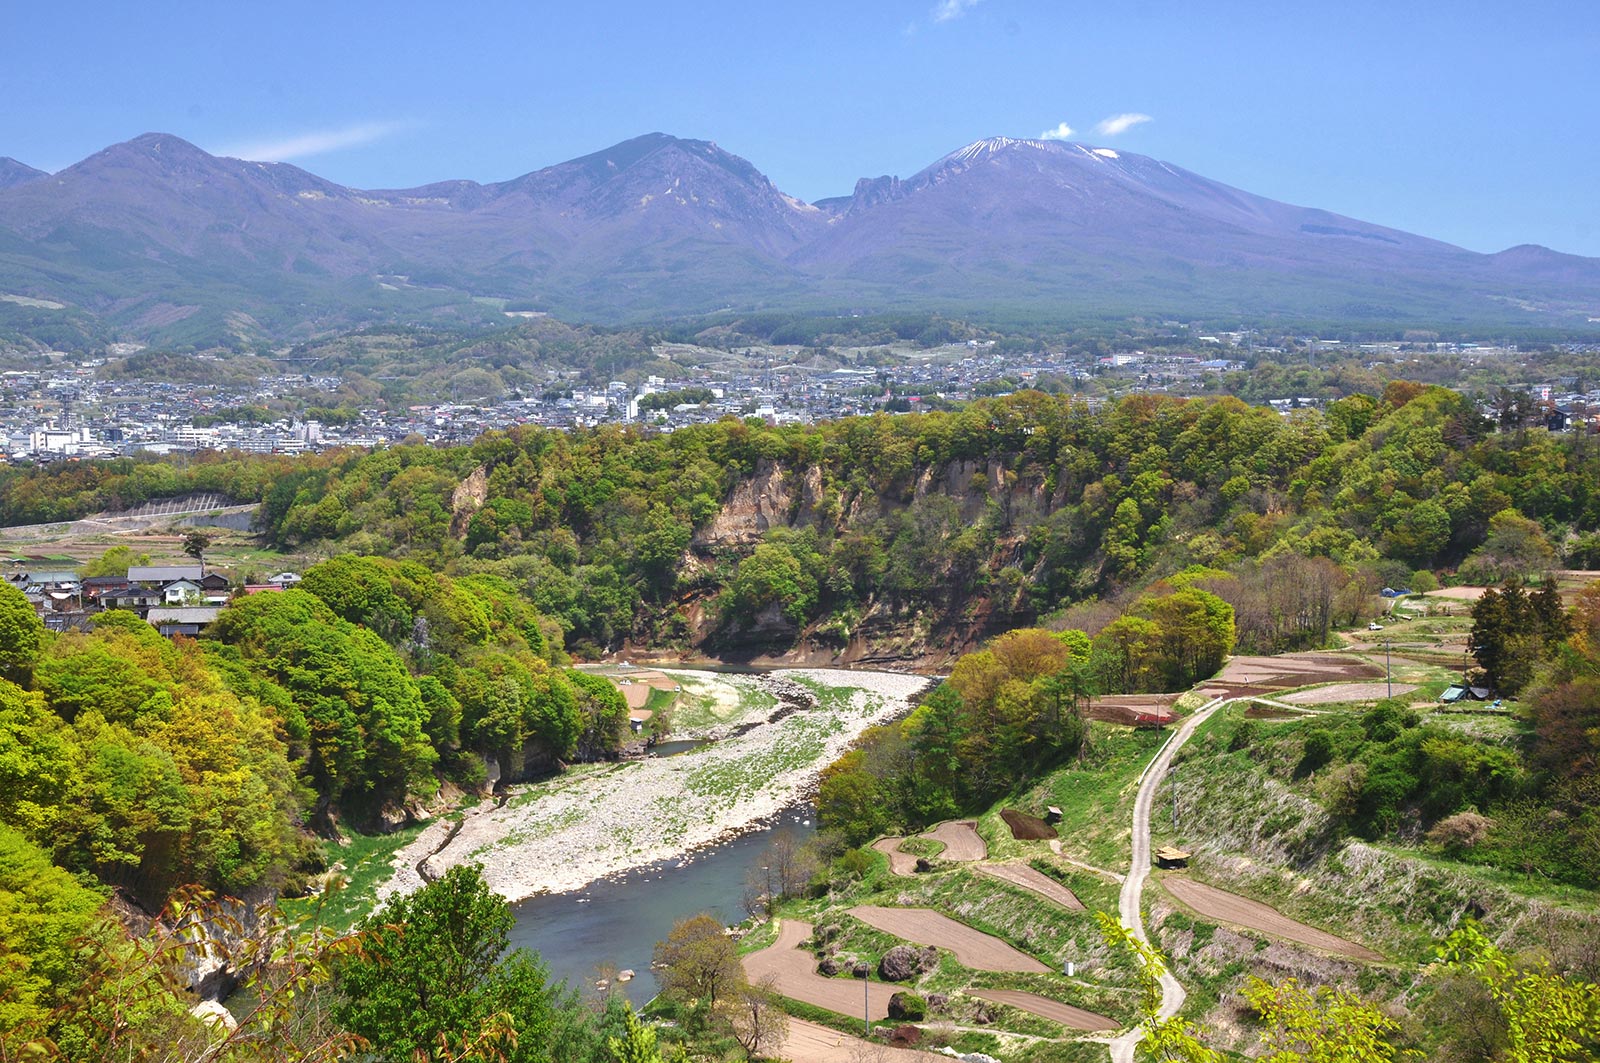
point(1346, 692)
point(1044, 1007)
point(1253, 915)
point(961, 841)
point(795, 970)
point(563, 833)
point(899, 863)
point(974, 948)
point(1029, 879)
point(636, 684)
point(1460, 594)
point(809, 1043)
point(1026, 828)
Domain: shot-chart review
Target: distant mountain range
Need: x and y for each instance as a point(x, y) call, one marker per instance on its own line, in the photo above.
point(156, 239)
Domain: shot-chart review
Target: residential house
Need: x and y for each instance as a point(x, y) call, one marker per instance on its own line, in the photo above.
point(184, 620)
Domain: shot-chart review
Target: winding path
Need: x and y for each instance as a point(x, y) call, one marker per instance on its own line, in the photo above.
point(1129, 903)
point(900, 863)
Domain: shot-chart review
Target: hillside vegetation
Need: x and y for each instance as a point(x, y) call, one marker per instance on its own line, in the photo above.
point(884, 536)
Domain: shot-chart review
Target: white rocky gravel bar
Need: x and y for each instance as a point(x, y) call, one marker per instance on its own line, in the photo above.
point(605, 820)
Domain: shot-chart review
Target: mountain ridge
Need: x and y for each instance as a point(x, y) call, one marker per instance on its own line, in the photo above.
point(659, 225)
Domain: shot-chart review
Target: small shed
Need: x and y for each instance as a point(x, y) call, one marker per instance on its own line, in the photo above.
point(1461, 692)
point(1168, 857)
point(1052, 814)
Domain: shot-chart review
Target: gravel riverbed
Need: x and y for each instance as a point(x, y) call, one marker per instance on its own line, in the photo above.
point(600, 820)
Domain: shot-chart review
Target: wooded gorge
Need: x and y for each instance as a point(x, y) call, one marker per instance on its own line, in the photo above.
point(902, 538)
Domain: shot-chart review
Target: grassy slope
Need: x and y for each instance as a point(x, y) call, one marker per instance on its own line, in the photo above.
point(1256, 828)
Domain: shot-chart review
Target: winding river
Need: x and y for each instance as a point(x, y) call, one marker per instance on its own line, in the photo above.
point(617, 922)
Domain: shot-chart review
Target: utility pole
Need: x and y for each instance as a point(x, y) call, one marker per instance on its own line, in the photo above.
point(865, 969)
point(1174, 798)
point(1388, 678)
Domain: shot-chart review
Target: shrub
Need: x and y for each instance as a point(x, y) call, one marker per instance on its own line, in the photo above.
point(1318, 751)
point(1464, 830)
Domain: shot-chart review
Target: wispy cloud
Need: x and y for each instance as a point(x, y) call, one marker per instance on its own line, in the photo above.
point(1060, 132)
point(948, 10)
point(320, 142)
point(1119, 123)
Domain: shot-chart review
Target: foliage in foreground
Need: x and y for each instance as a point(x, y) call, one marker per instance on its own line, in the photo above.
point(1542, 1016)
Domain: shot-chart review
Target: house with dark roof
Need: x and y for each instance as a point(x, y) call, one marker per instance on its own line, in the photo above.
point(161, 575)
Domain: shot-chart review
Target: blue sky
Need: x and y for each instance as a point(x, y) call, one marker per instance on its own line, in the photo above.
point(1477, 123)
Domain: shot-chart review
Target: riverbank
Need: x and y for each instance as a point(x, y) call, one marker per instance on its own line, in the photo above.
point(564, 833)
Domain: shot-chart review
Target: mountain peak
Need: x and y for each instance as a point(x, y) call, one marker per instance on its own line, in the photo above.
point(993, 146)
point(160, 144)
point(13, 173)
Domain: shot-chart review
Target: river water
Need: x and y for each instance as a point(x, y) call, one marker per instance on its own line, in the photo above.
point(617, 922)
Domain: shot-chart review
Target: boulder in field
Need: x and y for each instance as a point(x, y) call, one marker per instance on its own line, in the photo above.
point(899, 964)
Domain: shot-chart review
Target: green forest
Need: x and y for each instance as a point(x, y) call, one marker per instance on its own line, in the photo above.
point(135, 764)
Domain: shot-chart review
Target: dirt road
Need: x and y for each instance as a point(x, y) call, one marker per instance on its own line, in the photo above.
point(974, 948)
point(961, 841)
point(1044, 1007)
point(1029, 879)
point(797, 977)
point(1253, 915)
point(1128, 904)
point(899, 863)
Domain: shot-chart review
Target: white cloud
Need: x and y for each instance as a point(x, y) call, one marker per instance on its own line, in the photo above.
point(1119, 123)
point(1060, 132)
point(321, 142)
point(946, 10)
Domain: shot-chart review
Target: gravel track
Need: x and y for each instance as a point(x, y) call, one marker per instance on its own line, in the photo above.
point(1129, 903)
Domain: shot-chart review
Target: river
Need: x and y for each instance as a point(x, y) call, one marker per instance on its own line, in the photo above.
point(617, 922)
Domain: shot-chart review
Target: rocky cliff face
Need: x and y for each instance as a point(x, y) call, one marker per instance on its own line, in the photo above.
point(880, 629)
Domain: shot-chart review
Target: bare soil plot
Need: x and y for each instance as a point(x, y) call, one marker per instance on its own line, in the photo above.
point(1259, 675)
point(1029, 879)
point(1044, 1007)
point(961, 841)
point(974, 948)
point(1026, 828)
point(1134, 710)
point(1253, 915)
point(899, 863)
point(809, 1043)
point(795, 971)
point(1346, 692)
point(1460, 594)
point(636, 685)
